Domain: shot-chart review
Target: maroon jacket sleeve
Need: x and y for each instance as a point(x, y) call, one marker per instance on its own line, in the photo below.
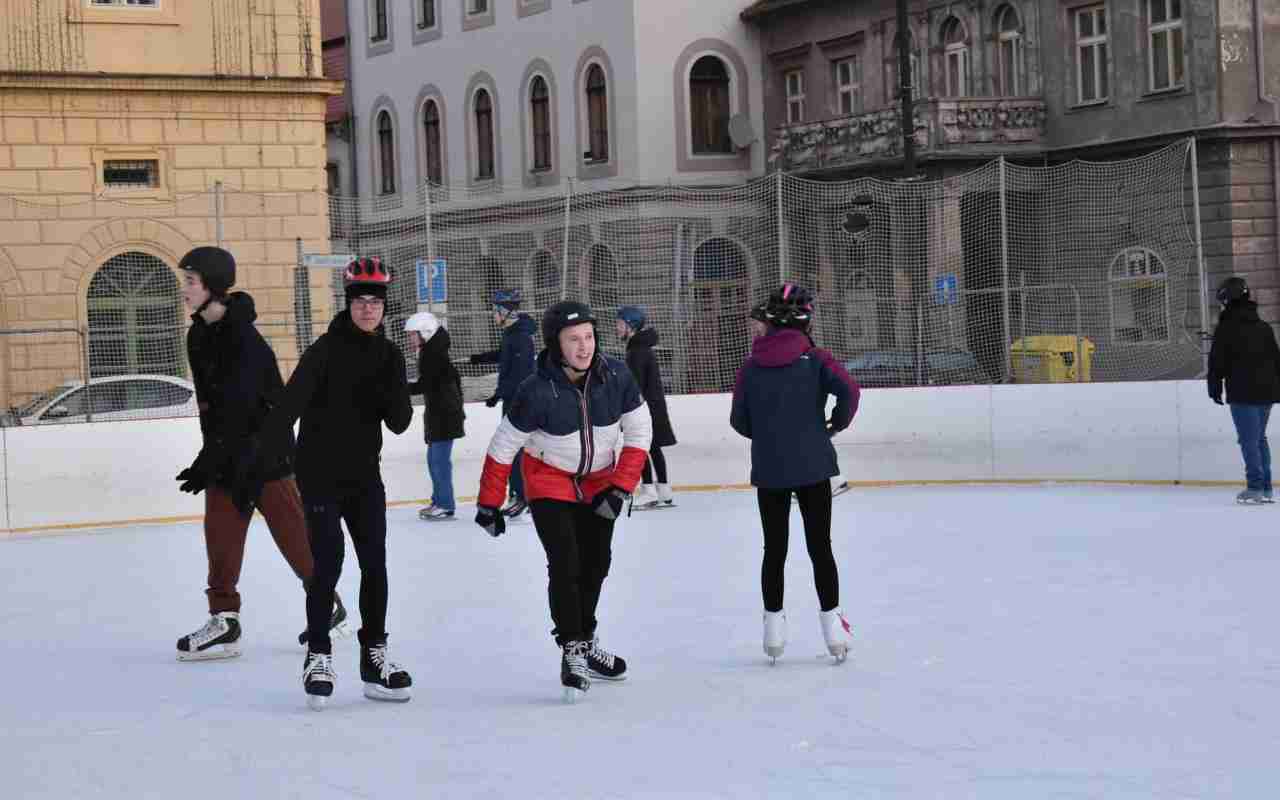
point(837, 381)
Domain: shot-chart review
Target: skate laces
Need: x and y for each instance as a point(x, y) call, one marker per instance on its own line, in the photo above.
point(599, 654)
point(575, 655)
point(319, 667)
point(386, 667)
point(212, 629)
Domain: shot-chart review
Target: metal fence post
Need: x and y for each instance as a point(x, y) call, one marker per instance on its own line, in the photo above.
point(217, 211)
point(1004, 269)
point(1195, 213)
point(1079, 344)
point(431, 248)
point(784, 249)
point(564, 242)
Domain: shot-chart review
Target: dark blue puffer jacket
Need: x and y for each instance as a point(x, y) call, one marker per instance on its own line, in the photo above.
point(514, 358)
point(779, 403)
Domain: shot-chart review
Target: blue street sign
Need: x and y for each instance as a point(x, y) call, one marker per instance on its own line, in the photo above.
point(946, 289)
point(431, 280)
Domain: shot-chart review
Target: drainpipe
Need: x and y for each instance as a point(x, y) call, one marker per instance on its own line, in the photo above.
point(1260, 65)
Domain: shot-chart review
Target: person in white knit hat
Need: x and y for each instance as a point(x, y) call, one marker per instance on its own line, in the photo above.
point(441, 388)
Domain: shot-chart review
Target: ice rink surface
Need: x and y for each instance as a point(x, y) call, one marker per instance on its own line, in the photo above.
point(1009, 642)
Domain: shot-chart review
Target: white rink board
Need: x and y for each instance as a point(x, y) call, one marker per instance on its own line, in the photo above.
point(104, 473)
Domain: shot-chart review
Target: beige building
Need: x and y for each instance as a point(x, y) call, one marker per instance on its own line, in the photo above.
point(117, 120)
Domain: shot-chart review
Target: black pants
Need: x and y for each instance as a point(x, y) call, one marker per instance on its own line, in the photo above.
point(579, 549)
point(364, 510)
point(659, 465)
point(775, 516)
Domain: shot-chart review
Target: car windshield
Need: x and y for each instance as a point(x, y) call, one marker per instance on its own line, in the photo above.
point(31, 406)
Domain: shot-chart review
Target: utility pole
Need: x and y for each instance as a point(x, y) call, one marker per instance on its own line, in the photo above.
point(905, 94)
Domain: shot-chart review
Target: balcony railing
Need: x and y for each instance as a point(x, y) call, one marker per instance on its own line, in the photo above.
point(952, 126)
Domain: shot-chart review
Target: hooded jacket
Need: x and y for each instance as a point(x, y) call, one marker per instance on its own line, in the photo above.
point(1244, 356)
point(347, 385)
point(515, 358)
point(779, 403)
point(578, 440)
point(644, 368)
point(237, 382)
point(441, 388)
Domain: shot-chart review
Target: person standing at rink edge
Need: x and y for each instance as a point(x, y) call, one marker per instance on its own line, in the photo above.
point(236, 379)
point(779, 402)
point(1245, 357)
point(348, 384)
point(640, 339)
point(442, 414)
point(572, 418)
point(515, 363)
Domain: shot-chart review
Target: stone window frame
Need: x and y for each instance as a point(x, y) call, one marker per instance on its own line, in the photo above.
point(850, 47)
point(963, 49)
point(482, 80)
point(473, 20)
point(539, 68)
point(164, 13)
point(430, 93)
point(1070, 10)
point(164, 176)
point(891, 71)
point(739, 103)
point(797, 73)
point(1018, 37)
point(378, 47)
point(528, 8)
point(423, 35)
point(381, 104)
point(1149, 31)
point(589, 170)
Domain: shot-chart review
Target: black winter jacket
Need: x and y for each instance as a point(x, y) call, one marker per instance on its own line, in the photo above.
point(237, 382)
point(514, 358)
point(346, 386)
point(441, 388)
point(1245, 356)
point(644, 368)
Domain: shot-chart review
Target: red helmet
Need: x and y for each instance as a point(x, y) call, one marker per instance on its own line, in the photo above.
point(368, 270)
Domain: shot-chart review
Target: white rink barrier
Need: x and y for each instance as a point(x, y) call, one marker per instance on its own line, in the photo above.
point(99, 474)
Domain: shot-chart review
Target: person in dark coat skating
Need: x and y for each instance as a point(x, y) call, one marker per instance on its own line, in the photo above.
point(441, 388)
point(1245, 357)
point(779, 403)
point(633, 328)
point(236, 379)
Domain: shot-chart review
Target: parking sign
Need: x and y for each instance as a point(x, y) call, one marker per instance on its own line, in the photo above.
point(431, 280)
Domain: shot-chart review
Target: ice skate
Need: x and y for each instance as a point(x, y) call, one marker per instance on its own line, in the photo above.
point(318, 679)
point(605, 665)
point(383, 678)
point(515, 508)
point(839, 486)
point(665, 498)
point(435, 514)
point(836, 632)
point(337, 622)
point(425, 513)
point(1267, 497)
point(219, 638)
point(646, 497)
point(775, 634)
point(1251, 497)
point(573, 670)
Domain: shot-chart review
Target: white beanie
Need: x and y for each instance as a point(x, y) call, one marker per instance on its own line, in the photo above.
point(424, 322)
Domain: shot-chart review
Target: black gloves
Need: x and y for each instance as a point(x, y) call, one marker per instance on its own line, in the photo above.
point(1217, 398)
point(608, 503)
point(197, 477)
point(493, 522)
point(493, 401)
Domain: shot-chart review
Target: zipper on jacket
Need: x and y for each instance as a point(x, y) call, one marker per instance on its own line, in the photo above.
point(586, 439)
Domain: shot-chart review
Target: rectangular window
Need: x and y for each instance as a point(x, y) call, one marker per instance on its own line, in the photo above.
point(131, 174)
point(1091, 54)
point(795, 96)
point(332, 178)
point(379, 26)
point(427, 14)
point(477, 6)
point(1164, 55)
point(848, 82)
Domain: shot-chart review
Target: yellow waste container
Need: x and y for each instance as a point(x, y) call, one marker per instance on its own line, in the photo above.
point(1051, 359)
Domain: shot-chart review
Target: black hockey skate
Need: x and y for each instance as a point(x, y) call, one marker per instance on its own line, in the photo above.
point(318, 679)
point(515, 508)
point(219, 638)
point(605, 665)
point(383, 678)
point(337, 622)
point(573, 670)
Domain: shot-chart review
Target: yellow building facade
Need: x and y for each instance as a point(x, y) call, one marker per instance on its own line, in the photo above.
point(130, 132)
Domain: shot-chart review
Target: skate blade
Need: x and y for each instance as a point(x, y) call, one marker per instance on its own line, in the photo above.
point(840, 656)
point(376, 691)
point(773, 652)
point(215, 653)
point(573, 695)
point(600, 676)
point(317, 702)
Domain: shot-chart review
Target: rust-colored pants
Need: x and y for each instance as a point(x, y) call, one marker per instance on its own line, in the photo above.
point(224, 534)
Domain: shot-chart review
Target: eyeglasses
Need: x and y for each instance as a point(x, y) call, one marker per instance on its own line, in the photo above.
point(368, 302)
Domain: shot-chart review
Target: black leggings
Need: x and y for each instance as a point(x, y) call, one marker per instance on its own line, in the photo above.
point(578, 542)
point(659, 464)
point(775, 516)
point(365, 512)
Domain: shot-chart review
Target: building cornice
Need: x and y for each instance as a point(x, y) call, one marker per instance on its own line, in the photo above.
point(99, 82)
point(764, 8)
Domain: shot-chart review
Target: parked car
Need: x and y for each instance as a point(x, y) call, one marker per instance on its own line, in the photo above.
point(117, 397)
point(886, 368)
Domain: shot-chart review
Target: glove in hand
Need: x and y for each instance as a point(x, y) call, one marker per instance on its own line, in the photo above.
point(491, 520)
point(609, 503)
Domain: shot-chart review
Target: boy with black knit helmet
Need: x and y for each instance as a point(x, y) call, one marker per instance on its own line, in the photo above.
point(640, 338)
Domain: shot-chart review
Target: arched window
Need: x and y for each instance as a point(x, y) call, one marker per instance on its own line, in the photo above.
point(386, 154)
point(484, 135)
point(709, 106)
point(597, 115)
point(540, 116)
point(545, 279)
point(892, 70)
point(718, 294)
point(432, 141)
point(378, 25)
point(135, 318)
point(1008, 52)
point(955, 44)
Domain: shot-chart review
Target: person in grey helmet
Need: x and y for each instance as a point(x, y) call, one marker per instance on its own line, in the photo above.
point(1245, 358)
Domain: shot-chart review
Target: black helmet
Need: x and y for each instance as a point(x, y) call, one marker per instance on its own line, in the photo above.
point(790, 306)
point(562, 315)
point(215, 266)
point(1232, 290)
